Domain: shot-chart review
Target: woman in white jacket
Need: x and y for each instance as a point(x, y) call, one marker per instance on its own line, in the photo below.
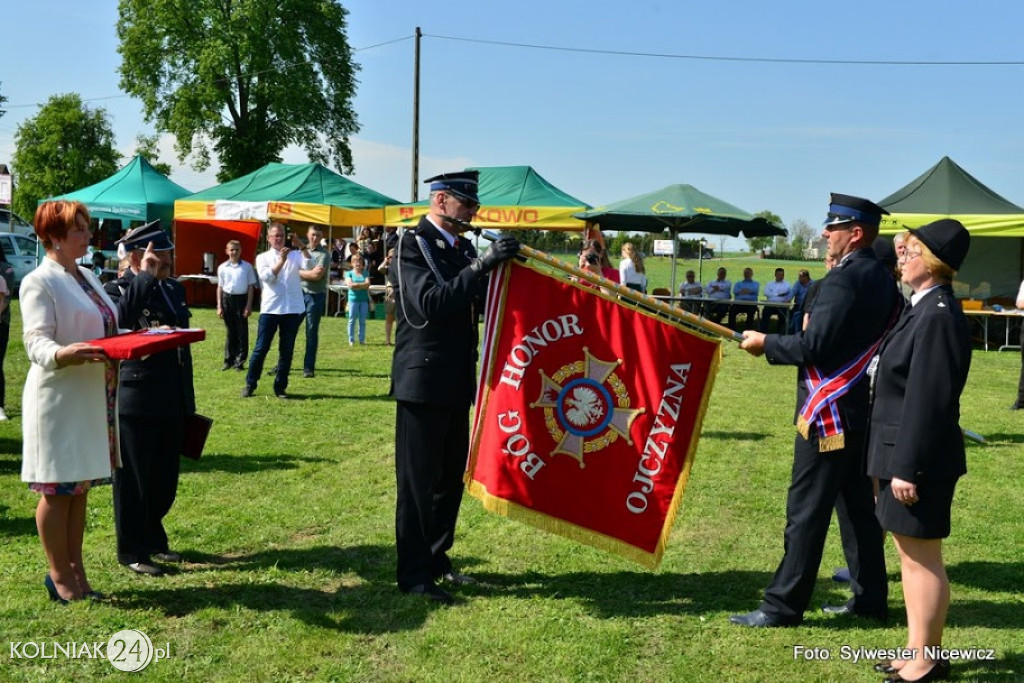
point(69, 405)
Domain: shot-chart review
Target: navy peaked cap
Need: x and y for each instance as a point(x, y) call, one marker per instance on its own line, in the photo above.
point(462, 184)
point(844, 208)
point(140, 237)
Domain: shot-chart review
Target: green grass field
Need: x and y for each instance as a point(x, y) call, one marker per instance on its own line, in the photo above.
point(287, 528)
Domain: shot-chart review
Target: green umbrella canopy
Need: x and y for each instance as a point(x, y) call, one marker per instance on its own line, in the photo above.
point(679, 208)
point(138, 192)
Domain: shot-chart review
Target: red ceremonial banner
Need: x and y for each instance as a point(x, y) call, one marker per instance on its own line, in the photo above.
point(588, 412)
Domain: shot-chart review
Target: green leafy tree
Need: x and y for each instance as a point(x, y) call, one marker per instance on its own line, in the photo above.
point(65, 147)
point(757, 244)
point(146, 146)
point(245, 77)
point(801, 234)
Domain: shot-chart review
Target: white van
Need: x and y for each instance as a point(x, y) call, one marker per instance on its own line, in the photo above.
point(18, 226)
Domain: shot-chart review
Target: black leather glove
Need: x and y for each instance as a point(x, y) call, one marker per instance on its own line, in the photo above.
point(499, 252)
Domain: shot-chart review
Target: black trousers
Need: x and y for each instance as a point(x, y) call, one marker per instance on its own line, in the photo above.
point(1020, 382)
point(821, 482)
point(146, 484)
point(236, 347)
point(5, 336)
point(431, 447)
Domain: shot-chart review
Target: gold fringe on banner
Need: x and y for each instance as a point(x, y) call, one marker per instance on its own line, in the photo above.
point(553, 525)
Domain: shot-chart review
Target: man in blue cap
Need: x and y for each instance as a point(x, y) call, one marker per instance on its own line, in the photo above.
point(155, 396)
point(438, 281)
point(856, 304)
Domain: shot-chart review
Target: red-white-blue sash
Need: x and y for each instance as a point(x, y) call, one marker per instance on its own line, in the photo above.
point(823, 391)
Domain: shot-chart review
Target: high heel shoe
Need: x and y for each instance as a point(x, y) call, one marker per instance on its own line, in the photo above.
point(95, 596)
point(51, 588)
point(885, 667)
point(938, 672)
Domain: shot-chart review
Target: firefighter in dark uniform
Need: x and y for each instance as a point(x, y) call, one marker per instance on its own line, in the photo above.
point(155, 396)
point(855, 305)
point(437, 279)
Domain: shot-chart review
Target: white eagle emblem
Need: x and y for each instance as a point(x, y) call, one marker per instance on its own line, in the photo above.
point(440, 243)
point(584, 407)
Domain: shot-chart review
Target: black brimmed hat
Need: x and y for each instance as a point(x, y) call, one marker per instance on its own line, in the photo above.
point(948, 239)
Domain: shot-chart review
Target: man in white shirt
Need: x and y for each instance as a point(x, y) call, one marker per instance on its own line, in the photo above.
point(236, 281)
point(281, 307)
point(778, 291)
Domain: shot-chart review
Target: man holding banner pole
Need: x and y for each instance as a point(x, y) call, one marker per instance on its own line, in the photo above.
point(437, 278)
point(856, 305)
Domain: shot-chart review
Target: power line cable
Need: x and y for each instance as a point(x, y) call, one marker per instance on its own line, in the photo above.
point(726, 58)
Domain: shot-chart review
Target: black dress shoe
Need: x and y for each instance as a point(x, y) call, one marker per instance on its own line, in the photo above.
point(169, 556)
point(1017, 406)
point(247, 391)
point(847, 609)
point(456, 579)
point(758, 619)
point(885, 667)
point(145, 568)
point(938, 672)
point(432, 592)
point(227, 366)
point(306, 374)
point(841, 575)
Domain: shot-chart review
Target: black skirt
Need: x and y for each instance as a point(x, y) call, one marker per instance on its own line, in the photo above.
point(927, 518)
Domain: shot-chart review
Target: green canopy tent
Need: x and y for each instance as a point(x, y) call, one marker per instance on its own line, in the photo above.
point(296, 193)
point(994, 264)
point(512, 197)
point(679, 209)
point(136, 193)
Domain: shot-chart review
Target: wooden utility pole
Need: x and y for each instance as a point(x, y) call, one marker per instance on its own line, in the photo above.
point(416, 119)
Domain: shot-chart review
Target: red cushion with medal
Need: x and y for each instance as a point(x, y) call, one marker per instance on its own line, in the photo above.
point(136, 345)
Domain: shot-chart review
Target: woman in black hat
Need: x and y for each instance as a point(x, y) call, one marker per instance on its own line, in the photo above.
point(915, 446)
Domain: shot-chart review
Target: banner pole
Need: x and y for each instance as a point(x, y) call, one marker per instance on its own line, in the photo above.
point(677, 314)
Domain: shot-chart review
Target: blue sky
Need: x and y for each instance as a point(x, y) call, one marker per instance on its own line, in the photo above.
point(761, 135)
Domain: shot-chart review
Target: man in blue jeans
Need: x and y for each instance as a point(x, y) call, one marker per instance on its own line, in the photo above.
point(281, 307)
point(314, 276)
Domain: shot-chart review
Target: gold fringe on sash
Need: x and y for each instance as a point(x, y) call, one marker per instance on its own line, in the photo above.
point(835, 442)
point(803, 427)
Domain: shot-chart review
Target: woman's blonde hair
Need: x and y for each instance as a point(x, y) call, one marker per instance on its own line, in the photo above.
point(630, 252)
